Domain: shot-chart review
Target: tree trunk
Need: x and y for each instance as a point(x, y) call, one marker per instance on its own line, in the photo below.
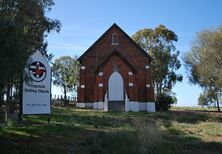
point(1, 99)
point(160, 88)
point(7, 93)
point(20, 97)
point(218, 104)
point(1, 106)
point(65, 97)
point(7, 101)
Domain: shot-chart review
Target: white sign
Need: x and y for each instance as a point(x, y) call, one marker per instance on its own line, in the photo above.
point(37, 90)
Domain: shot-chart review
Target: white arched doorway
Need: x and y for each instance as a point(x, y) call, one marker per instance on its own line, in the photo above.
point(116, 87)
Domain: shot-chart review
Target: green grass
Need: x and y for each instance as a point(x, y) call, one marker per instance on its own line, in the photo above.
point(88, 131)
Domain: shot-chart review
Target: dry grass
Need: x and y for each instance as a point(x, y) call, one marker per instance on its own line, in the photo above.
point(148, 135)
point(87, 131)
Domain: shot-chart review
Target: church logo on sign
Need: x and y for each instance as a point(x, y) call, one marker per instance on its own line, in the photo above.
point(37, 71)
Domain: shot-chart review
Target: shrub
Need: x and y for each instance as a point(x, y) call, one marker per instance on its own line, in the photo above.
point(165, 101)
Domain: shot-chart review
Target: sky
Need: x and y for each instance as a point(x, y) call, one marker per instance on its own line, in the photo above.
point(84, 21)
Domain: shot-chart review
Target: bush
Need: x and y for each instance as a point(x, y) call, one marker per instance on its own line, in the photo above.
point(164, 102)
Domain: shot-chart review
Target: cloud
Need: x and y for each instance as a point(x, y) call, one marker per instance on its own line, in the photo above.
point(67, 46)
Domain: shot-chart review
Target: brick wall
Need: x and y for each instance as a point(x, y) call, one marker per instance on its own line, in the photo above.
point(95, 61)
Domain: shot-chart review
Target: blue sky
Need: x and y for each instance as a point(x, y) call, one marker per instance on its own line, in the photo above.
point(84, 21)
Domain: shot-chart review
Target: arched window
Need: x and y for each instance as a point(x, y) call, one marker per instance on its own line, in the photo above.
point(115, 39)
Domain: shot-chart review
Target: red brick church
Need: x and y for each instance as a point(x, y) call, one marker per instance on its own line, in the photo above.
point(115, 74)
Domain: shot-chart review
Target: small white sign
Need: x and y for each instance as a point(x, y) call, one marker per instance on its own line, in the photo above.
point(37, 90)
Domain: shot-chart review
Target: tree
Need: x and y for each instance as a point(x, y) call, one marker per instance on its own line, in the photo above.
point(204, 63)
point(65, 72)
point(23, 28)
point(203, 100)
point(159, 43)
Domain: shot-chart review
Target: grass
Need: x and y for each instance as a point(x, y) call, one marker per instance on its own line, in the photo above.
point(198, 108)
point(86, 131)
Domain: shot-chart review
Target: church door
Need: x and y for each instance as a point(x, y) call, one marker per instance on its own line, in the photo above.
point(116, 87)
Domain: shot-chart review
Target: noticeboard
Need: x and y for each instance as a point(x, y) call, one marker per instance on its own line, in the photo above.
point(37, 89)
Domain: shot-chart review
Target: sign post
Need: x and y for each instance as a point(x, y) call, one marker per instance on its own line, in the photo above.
point(37, 89)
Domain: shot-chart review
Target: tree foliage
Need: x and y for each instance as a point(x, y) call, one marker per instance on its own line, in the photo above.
point(204, 63)
point(66, 74)
point(23, 29)
point(203, 100)
point(159, 43)
point(165, 101)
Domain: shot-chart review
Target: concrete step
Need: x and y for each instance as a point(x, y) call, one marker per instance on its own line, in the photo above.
point(116, 105)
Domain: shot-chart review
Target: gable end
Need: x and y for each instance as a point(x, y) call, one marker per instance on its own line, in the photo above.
point(127, 36)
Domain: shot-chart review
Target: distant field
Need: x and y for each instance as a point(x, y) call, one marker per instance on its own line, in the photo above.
point(175, 108)
point(86, 131)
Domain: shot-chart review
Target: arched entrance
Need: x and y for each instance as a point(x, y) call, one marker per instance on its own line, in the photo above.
point(116, 87)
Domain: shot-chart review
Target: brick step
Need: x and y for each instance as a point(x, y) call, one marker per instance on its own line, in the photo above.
point(116, 106)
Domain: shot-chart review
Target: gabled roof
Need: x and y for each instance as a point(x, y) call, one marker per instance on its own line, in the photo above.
point(118, 54)
point(127, 36)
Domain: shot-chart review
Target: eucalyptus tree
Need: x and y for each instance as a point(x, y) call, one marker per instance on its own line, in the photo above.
point(159, 43)
point(204, 63)
point(65, 72)
point(23, 29)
